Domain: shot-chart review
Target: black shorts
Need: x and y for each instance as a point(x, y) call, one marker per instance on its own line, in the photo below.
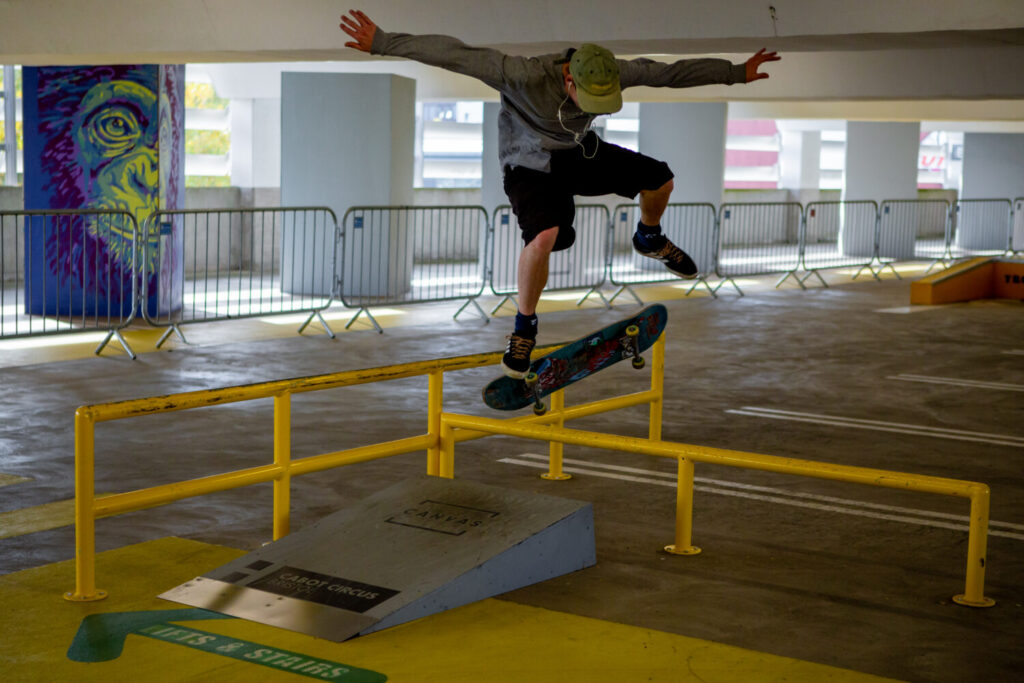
point(545, 200)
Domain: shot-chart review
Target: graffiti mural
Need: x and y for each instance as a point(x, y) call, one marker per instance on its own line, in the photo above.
point(103, 138)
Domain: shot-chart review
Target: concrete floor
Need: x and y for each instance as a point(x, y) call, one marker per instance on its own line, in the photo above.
point(839, 583)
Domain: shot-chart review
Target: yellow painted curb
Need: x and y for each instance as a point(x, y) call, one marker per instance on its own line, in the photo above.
point(494, 640)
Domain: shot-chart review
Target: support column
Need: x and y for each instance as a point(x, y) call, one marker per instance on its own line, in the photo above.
point(492, 191)
point(102, 137)
point(881, 163)
point(993, 169)
point(347, 140)
point(800, 161)
point(690, 138)
point(266, 150)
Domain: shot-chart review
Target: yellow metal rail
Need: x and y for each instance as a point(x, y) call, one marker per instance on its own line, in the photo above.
point(444, 430)
point(686, 455)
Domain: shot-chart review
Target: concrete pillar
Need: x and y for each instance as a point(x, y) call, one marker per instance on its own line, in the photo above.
point(241, 143)
point(800, 160)
point(347, 140)
point(993, 166)
point(98, 137)
point(492, 191)
point(993, 169)
point(690, 138)
point(881, 163)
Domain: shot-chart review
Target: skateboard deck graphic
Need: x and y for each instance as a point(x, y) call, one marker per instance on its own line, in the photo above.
point(578, 359)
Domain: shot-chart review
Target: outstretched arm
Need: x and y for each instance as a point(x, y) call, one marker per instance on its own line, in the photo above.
point(755, 62)
point(490, 66)
point(360, 28)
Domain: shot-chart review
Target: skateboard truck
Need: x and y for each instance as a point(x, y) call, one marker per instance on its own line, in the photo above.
point(531, 380)
point(633, 334)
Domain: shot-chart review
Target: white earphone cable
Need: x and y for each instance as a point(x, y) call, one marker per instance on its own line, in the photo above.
point(576, 136)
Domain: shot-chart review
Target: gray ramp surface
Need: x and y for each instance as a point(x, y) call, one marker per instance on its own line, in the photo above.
point(414, 549)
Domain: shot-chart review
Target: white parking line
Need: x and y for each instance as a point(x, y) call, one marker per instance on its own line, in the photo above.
point(974, 384)
point(877, 425)
point(769, 494)
point(1015, 352)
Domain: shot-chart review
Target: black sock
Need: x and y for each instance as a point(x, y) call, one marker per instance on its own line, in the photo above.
point(526, 325)
point(649, 234)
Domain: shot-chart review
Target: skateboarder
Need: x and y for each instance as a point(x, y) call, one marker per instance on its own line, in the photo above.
point(547, 151)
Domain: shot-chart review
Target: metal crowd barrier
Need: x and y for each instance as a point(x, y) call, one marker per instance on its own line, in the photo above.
point(982, 227)
point(759, 239)
point(237, 263)
point(829, 236)
point(412, 254)
point(912, 229)
point(691, 227)
point(583, 266)
point(67, 271)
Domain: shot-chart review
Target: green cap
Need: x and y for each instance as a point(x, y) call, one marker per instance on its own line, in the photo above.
point(596, 74)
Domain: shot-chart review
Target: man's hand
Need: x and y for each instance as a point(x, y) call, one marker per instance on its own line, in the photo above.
point(755, 62)
point(362, 30)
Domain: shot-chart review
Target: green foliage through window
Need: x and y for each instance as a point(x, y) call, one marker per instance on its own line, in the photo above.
point(203, 96)
point(207, 181)
point(207, 142)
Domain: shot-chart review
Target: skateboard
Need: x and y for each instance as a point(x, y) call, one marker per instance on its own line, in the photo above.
point(579, 359)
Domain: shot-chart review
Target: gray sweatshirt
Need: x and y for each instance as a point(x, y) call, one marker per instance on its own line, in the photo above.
point(537, 115)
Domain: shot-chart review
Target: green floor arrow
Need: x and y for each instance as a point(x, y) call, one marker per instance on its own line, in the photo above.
point(101, 637)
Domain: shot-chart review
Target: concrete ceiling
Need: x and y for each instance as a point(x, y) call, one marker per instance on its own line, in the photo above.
point(906, 59)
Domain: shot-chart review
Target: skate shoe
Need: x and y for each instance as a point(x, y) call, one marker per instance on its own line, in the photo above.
point(674, 258)
point(516, 361)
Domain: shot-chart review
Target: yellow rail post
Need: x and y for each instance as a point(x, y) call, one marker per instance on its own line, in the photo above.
point(435, 403)
point(977, 493)
point(977, 539)
point(657, 387)
point(446, 464)
point(556, 448)
point(684, 510)
point(283, 459)
point(85, 518)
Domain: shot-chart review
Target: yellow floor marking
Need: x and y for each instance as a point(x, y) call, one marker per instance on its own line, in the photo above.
point(493, 640)
point(37, 518)
point(8, 479)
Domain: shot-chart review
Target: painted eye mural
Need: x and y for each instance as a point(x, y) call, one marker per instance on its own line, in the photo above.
point(106, 138)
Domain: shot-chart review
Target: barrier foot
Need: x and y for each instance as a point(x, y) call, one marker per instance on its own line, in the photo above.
point(946, 263)
point(789, 274)
point(479, 310)
point(984, 602)
point(701, 280)
point(594, 290)
point(71, 596)
point(620, 290)
point(723, 281)
point(167, 333)
point(809, 273)
point(502, 303)
point(121, 341)
point(368, 315)
point(686, 550)
point(316, 314)
point(892, 268)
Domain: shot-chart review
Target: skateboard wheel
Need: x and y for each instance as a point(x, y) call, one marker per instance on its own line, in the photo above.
point(632, 331)
point(639, 363)
point(531, 379)
point(540, 410)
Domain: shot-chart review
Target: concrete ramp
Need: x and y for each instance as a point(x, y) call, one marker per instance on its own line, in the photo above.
point(417, 548)
point(979, 278)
